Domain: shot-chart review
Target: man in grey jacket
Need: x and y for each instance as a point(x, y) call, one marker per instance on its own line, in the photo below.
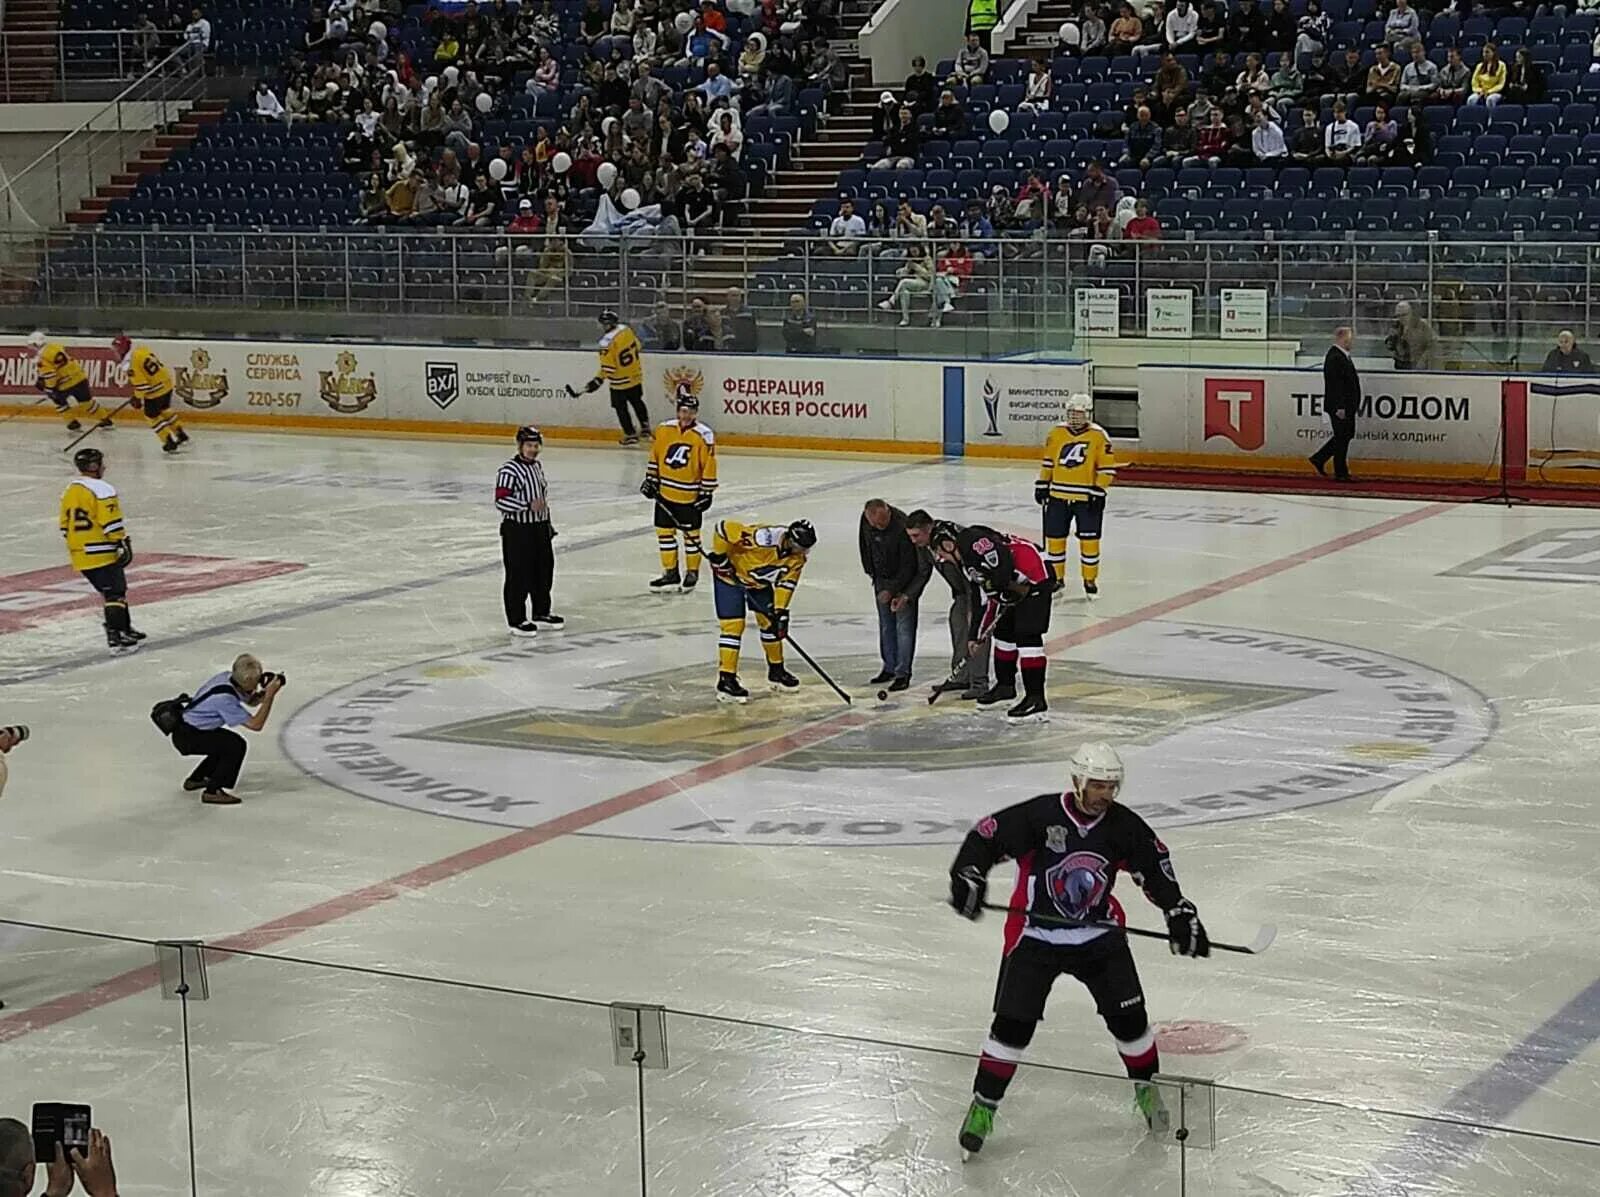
point(969, 667)
point(899, 571)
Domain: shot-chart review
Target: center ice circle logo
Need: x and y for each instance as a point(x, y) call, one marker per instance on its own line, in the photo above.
point(1215, 723)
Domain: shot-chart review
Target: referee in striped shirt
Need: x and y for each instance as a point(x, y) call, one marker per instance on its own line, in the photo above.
point(523, 500)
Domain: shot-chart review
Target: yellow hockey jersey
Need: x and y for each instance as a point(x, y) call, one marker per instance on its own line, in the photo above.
point(753, 553)
point(622, 358)
point(148, 375)
point(91, 522)
point(59, 371)
point(1078, 465)
point(683, 461)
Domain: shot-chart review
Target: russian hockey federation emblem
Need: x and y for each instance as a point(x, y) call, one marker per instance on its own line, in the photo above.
point(679, 381)
point(443, 381)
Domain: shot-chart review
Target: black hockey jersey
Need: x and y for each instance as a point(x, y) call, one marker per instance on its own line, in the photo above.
point(1067, 864)
point(1006, 569)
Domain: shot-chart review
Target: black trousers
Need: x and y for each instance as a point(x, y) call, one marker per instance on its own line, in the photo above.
point(1337, 445)
point(530, 563)
point(112, 583)
point(621, 399)
point(223, 749)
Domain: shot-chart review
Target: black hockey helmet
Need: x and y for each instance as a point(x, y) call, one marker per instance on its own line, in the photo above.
point(529, 433)
point(942, 531)
point(802, 534)
point(89, 459)
point(609, 318)
point(686, 397)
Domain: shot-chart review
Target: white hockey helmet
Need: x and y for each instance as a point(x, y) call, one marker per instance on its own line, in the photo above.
point(1078, 411)
point(1095, 761)
point(36, 340)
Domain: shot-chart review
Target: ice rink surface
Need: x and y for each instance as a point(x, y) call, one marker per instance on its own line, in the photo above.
point(1371, 723)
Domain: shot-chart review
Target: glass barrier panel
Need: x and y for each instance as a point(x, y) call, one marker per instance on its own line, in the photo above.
point(343, 1082)
point(84, 1022)
point(748, 1109)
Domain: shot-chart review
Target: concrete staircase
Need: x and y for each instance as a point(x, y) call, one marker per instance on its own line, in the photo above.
point(812, 174)
point(31, 57)
point(1037, 39)
point(153, 157)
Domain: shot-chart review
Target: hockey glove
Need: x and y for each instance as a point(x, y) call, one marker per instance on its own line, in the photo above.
point(969, 888)
point(592, 386)
point(650, 488)
point(780, 624)
point(702, 501)
point(1041, 493)
point(125, 551)
point(722, 567)
point(1186, 936)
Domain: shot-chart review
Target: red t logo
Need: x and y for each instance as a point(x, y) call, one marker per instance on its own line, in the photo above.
point(1237, 409)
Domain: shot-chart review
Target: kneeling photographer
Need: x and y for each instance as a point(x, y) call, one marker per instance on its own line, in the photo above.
point(202, 728)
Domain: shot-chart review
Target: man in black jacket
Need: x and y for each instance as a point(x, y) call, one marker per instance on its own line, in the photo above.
point(1568, 357)
point(899, 570)
point(1341, 394)
point(969, 663)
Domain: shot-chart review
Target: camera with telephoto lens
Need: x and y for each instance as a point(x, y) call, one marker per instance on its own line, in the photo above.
point(18, 732)
point(266, 679)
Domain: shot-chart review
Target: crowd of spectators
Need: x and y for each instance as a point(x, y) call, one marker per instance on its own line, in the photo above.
point(418, 131)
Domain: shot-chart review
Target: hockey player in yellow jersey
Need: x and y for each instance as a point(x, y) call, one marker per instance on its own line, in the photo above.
point(1078, 467)
point(64, 383)
point(152, 392)
point(681, 477)
point(755, 566)
point(621, 365)
point(98, 544)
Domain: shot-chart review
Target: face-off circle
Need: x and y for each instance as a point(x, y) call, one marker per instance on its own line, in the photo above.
point(1214, 723)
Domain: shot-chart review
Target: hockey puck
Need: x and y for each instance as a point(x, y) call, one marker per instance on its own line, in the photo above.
point(883, 696)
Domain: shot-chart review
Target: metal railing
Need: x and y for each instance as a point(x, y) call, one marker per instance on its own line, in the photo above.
point(1490, 302)
point(53, 184)
point(42, 66)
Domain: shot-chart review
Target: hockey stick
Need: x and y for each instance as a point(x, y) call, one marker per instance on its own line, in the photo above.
point(95, 427)
point(1255, 947)
point(819, 671)
point(25, 410)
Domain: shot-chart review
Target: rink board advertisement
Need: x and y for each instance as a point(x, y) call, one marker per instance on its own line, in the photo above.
point(1010, 406)
point(784, 398)
point(1216, 723)
point(1432, 425)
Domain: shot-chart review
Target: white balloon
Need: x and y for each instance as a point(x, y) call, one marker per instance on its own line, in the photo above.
point(607, 174)
point(497, 169)
point(561, 163)
point(999, 120)
point(431, 83)
point(484, 102)
point(631, 199)
point(378, 30)
point(684, 21)
point(332, 89)
point(451, 74)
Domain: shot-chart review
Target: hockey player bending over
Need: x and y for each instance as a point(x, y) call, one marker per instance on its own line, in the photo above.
point(756, 567)
point(1078, 467)
point(1016, 586)
point(1069, 848)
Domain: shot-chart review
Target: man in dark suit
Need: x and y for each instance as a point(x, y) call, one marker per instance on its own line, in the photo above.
point(1341, 394)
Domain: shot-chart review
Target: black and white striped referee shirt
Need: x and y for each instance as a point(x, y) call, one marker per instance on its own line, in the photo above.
point(516, 486)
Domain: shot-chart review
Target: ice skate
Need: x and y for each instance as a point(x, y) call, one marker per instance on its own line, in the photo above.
point(121, 643)
point(135, 633)
point(526, 629)
point(997, 693)
point(1090, 589)
point(171, 445)
point(691, 579)
point(729, 689)
point(549, 621)
point(978, 1127)
point(666, 582)
point(1147, 1098)
point(73, 426)
point(1032, 709)
point(779, 678)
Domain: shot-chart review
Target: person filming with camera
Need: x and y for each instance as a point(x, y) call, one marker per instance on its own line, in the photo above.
point(221, 703)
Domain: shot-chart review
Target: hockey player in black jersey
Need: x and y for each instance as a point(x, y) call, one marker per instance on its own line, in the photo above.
point(1069, 848)
point(1016, 585)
